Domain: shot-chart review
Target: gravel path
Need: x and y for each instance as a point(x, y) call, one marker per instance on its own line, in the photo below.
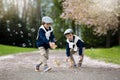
point(21, 67)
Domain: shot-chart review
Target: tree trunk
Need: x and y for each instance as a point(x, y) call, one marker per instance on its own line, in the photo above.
point(119, 38)
point(119, 31)
point(73, 26)
point(24, 13)
point(119, 34)
point(108, 39)
point(38, 17)
point(38, 11)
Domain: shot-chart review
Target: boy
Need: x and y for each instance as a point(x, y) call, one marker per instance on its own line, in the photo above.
point(45, 40)
point(73, 44)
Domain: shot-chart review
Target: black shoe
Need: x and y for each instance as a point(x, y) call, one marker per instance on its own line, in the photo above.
point(37, 68)
point(75, 66)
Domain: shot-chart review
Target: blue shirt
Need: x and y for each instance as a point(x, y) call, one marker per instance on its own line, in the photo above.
point(42, 41)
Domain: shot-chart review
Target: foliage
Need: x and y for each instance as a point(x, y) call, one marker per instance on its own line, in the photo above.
point(10, 32)
point(90, 39)
point(101, 13)
point(54, 10)
point(59, 24)
point(19, 21)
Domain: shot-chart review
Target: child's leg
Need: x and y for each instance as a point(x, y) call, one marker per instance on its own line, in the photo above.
point(72, 61)
point(80, 61)
point(42, 52)
point(46, 68)
point(47, 53)
point(81, 58)
point(43, 57)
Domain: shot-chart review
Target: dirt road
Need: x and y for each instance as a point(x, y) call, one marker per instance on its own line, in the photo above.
point(21, 67)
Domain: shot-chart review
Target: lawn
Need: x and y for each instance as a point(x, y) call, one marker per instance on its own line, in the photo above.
point(111, 55)
point(5, 49)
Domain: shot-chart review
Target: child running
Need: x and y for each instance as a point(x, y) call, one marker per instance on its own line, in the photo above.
point(45, 40)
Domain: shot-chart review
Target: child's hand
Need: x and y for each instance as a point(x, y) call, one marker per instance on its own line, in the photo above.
point(67, 59)
point(52, 45)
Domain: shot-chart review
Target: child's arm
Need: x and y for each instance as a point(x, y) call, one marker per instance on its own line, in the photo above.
point(52, 37)
point(67, 50)
point(80, 45)
point(52, 41)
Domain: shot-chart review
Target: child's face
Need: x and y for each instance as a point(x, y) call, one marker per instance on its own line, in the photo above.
point(47, 25)
point(69, 36)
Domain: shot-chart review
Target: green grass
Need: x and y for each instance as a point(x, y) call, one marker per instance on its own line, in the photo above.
point(5, 49)
point(111, 55)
